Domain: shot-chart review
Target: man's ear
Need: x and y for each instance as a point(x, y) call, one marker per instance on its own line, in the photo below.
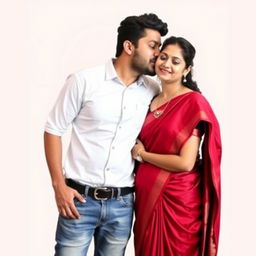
point(128, 47)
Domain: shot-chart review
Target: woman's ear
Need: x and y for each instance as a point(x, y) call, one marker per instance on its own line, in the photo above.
point(128, 47)
point(187, 70)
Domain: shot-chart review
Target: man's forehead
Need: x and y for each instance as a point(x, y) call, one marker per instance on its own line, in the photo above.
point(152, 35)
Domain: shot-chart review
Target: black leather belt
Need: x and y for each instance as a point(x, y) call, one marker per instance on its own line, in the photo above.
point(99, 193)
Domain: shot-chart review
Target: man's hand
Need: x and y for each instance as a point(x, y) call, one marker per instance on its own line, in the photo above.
point(137, 148)
point(64, 196)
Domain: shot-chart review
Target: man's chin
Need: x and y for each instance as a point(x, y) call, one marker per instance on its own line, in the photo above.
point(151, 73)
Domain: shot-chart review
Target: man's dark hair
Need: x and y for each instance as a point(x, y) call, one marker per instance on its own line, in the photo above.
point(132, 28)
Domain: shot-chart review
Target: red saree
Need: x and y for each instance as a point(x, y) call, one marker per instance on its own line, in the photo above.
point(178, 213)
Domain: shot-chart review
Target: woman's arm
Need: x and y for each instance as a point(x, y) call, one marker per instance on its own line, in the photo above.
point(185, 161)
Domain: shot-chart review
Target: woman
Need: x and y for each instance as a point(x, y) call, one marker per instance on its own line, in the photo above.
point(177, 193)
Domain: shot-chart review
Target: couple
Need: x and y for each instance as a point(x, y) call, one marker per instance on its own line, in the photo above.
point(177, 191)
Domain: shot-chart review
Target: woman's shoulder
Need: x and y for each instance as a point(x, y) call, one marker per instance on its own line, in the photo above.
point(198, 98)
point(198, 102)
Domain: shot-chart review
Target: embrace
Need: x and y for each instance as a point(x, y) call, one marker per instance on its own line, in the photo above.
point(130, 133)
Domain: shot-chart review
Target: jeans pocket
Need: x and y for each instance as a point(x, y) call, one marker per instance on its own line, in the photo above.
point(127, 200)
point(77, 202)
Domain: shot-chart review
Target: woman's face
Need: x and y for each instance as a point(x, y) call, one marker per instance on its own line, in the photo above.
point(170, 64)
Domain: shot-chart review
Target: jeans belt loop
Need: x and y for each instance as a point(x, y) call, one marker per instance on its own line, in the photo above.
point(86, 190)
point(112, 193)
point(118, 193)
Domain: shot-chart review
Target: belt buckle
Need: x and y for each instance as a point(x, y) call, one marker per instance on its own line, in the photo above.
point(96, 193)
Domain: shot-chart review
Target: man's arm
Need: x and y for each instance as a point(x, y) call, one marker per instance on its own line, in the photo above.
point(64, 195)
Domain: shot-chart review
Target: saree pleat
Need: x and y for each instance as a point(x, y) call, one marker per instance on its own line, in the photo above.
point(178, 213)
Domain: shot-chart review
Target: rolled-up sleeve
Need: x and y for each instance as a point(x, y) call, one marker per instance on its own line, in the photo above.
point(67, 106)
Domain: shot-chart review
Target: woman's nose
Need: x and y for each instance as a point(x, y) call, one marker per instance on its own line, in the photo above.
point(167, 64)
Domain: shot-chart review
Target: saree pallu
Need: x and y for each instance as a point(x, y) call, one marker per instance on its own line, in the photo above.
point(178, 213)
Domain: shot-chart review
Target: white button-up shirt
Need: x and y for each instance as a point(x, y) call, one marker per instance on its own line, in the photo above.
point(106, 118)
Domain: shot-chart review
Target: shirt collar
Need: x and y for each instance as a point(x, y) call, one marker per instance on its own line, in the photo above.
point(111, 73)
point(141, 81)
point(110, 70)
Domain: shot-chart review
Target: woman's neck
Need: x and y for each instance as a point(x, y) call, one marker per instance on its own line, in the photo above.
point(171, 90)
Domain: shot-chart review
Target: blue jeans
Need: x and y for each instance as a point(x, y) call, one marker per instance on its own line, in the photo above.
point(109, 222)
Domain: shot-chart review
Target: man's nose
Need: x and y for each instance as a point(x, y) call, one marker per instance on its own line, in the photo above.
point(157, 52)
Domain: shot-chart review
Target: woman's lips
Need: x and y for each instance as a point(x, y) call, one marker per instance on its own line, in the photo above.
point(164, 71)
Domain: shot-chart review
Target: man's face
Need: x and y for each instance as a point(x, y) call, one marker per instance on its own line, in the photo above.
point(144, 56)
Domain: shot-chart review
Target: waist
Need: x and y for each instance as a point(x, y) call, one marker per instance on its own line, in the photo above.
point(100, 193)
point(89, 169)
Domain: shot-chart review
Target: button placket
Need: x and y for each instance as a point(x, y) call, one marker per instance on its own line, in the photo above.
point(118, 127)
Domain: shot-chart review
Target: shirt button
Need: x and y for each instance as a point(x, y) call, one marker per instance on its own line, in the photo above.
point(113, 147)
point(120, 127)
point(107, 169)
point(124, 107)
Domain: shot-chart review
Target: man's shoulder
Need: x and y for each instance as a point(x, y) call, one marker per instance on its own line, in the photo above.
point(94, 71)
point(152, 84)
point(88, 78)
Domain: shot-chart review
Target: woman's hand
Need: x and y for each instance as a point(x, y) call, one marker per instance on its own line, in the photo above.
point(184, 161)
point(137, 149)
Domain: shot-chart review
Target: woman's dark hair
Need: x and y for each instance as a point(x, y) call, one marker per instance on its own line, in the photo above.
point(132, 28)
point(188, 53)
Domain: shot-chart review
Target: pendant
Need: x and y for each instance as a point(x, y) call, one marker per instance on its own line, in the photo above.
point(157, 113)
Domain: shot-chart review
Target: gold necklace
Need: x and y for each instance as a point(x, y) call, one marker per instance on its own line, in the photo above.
point(158, 113)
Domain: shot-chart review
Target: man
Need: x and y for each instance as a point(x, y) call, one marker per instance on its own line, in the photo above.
point(106, 106)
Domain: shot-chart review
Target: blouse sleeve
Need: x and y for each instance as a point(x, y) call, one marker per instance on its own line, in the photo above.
point(199, 130)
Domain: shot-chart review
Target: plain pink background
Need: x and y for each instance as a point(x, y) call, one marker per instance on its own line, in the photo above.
point(42, 42)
